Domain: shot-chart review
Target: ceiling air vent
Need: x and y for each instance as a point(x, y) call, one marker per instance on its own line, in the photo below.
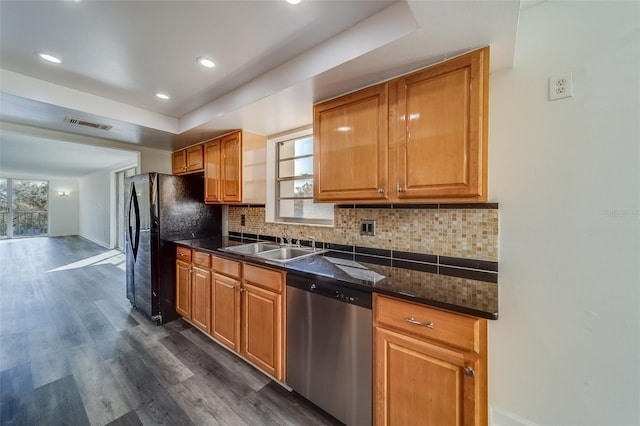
point(79, 122)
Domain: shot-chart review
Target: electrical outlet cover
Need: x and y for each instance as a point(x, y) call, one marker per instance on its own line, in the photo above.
point(560, 86)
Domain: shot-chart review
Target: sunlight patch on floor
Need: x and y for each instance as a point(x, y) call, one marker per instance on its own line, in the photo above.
point(111, 257)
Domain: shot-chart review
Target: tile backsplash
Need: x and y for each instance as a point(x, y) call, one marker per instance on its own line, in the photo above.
point(445, 230)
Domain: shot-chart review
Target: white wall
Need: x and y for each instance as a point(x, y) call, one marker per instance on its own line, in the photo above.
point(63, 211)
point(566, 349)
point(95, 208)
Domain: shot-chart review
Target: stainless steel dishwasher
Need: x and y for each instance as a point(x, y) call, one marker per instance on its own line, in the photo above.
point(329, 347)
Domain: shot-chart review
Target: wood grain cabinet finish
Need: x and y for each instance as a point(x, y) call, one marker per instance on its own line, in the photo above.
point(225, 301)
point(231, 169)
point(193, 286)
point(179, 162)
point(440, 130)
point(420, 380)
point(201, 298)
point(225, 312)
point(263, 341)
point(187, 160)
point(183, 288)
point(235, 168)
point(212, 172)
point(351, 146)
point(419, 137)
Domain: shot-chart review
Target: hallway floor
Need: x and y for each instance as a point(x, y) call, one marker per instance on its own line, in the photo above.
point(74, 352)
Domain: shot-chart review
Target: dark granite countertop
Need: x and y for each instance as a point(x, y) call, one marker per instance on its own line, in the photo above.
point(477, 298)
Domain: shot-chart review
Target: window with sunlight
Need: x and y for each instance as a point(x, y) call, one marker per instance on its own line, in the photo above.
point(294, 183)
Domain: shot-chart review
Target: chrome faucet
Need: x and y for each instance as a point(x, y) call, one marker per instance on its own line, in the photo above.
point(313, 243)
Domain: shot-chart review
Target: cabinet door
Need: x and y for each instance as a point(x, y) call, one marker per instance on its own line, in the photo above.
point(225, 311)
point(194, 158)
point(262, 329)
point(231, 177)
point(201, 298)
point(212, 171)
point(179, 162)
point(440, 127)
point(350, 147)
point(183, 289)
point(418, 383)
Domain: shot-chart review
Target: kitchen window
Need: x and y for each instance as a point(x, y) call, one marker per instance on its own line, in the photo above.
point(294, 181)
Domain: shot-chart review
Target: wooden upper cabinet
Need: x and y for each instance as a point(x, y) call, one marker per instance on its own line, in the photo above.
point(179, 162)
point(231, 158)
point(187, 160)
point(235, 168)
point(212, 171)
point(440, 130)
point(420, 137)
point(195, 160)
point(351, 146)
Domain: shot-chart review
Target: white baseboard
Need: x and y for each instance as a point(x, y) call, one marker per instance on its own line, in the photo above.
point(98, 242)
point(63, 234)
point(504, 418)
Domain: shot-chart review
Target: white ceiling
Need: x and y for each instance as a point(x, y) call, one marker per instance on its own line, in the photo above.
point(274, 60)
point(46, 158)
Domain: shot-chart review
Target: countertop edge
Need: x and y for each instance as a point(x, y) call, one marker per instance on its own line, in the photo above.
point(408, 297)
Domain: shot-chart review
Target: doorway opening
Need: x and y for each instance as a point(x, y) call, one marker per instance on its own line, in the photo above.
point(24, 208)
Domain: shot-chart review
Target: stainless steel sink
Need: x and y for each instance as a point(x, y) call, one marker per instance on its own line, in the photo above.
point(272, 251)
point(285, 254)
point(252, 248)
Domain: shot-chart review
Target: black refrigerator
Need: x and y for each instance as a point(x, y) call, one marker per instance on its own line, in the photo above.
point(161, 209)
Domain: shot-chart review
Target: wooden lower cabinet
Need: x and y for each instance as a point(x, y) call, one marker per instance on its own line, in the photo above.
point(263, 324)
point(225, 313)
point(201, 298)
point(423, 381)
point(183, 288)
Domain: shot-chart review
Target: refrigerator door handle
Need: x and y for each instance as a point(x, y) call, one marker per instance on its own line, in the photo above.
point(134, 240)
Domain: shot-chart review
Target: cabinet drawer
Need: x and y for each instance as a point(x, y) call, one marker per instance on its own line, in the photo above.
point(226, 266)
point(263, 277)
point(202, 259)
point(183, 253)
point(453, 329)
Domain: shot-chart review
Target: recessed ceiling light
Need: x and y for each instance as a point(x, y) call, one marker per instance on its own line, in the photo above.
point(293, 1)
point(49, 58)
point(162, 96)
point(206, 62)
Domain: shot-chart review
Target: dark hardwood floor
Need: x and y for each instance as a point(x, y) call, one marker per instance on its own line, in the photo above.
point(74, 352)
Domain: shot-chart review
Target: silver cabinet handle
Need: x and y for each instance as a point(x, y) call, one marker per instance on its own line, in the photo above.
point(400, 189)
point(380, 191)
point(422, 324)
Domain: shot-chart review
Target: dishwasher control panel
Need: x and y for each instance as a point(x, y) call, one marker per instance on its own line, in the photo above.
point(330, 288)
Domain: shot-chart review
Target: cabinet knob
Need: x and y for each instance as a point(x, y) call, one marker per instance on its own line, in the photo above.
point(411, 320)
point(400, 189)
point(468, 371)
point(380, 191)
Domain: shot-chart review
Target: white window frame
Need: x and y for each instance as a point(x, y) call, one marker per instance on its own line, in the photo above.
point(272, 180)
